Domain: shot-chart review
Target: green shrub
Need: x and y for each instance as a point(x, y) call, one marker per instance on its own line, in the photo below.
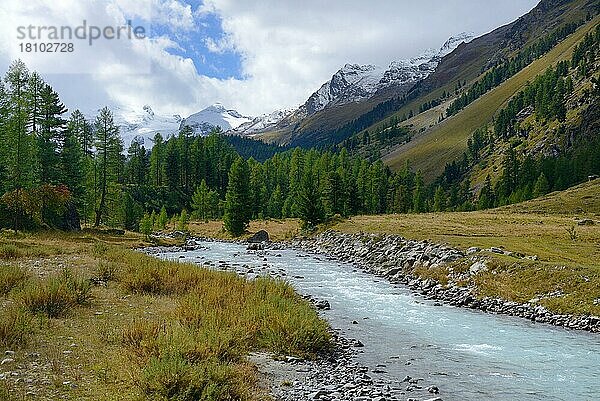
point(15, 326)
point(11, 276)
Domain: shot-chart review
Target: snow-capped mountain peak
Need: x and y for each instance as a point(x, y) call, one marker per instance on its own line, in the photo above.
point(261, 123)
point(148, 110)
point(142, 123)
point(454, 41)
point(349, 83)
point(355, 82)
point(214, 116)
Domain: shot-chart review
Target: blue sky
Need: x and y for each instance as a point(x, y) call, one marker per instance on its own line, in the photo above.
point(192, 44)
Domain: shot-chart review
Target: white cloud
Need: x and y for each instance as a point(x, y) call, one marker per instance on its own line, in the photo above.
point(288, 48)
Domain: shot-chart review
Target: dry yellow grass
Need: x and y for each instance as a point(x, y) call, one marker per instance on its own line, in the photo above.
point(531, 234)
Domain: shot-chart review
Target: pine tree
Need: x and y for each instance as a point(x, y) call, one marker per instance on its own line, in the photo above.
point(163, 218)
point(276, 202)
point(72, 168)
point(238, 208)
point(51, 134)
point(137, 165)
point(332, 193)
point(35, 85)
point(201, 202)
point(82, 130)
point(541, 186)
point(510, 176)
point(182, 222)
point(108, 147)
point(21, 153)
point(157, 161)
point(439, 200)
point(184, 142)
point(146, 225)
point(486, 196)
point(171, 167)
point(21, 168)
point(132, 212)
point(418, 201)
point(310, 206)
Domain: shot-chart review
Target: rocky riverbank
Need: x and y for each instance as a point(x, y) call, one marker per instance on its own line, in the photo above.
point(396, 259)
point(337, 376)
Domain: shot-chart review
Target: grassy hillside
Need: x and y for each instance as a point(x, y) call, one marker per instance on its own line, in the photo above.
point(581, 200)
point(444, 142)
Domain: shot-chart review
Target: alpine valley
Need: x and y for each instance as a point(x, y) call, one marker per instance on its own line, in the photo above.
point(427, 229)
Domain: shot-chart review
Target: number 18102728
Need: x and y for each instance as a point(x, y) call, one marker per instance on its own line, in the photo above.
point(46, 47)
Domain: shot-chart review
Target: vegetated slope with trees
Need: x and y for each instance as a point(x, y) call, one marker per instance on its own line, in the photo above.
point(443, 142)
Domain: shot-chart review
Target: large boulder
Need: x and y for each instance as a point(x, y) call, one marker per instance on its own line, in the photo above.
point(259, 236)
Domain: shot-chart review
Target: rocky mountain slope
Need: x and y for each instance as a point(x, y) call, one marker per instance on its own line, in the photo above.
point(436, 142)
point(354, 86)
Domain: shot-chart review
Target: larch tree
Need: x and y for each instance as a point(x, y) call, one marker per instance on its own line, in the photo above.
point(310, 206)
point(157, 161)
point(108, 147)
point(238, 207)
point(201, 202)
point(50, 136)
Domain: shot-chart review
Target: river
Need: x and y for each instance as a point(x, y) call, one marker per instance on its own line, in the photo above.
point(469, 355)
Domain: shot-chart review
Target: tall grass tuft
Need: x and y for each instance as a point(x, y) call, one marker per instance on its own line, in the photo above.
point(10, 251)
point(11, 276)
point(141, 336)
point(172, 377)
point(107, 271)
point(219, 318)
point(57, 295)
point(15, 326)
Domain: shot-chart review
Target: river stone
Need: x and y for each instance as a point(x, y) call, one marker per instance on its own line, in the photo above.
point(259, 236)
point(473, 250)
point(477, 267)
point(322, 304)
